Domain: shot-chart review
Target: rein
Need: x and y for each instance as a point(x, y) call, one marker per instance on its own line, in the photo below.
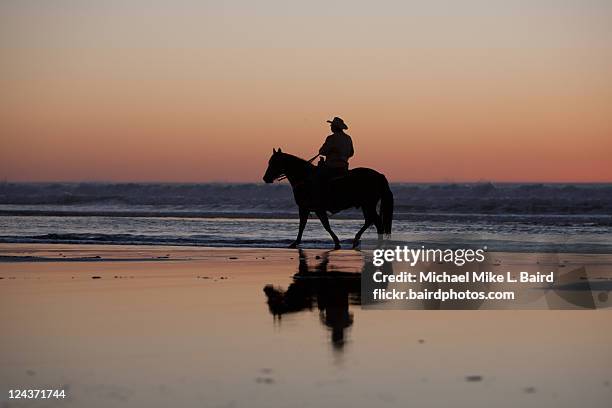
point(282, 176)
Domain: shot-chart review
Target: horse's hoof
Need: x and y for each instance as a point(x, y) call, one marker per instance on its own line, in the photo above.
point(356, 244)
point(293, 245)
point(337, 246)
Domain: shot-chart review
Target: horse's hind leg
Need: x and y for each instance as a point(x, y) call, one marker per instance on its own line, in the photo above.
point(325, 221)
point(303, 219)
point(378, 223)
point(369, 214)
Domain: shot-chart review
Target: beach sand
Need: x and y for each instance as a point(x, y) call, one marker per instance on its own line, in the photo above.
point(179, 326)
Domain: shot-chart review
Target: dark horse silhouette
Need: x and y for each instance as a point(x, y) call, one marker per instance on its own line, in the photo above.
point(360, 188)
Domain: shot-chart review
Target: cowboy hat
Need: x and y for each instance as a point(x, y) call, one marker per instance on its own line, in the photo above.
point(338, 122)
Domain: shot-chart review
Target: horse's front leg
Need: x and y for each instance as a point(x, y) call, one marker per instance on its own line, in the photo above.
point(304, 213)
point(325, 221)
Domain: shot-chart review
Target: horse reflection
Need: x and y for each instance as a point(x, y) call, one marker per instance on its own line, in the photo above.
point(331, 291)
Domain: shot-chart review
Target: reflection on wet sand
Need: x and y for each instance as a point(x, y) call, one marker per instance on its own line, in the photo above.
point(168, 338)
point(332, 291)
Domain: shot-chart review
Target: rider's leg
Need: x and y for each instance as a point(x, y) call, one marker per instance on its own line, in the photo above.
point(333, 196)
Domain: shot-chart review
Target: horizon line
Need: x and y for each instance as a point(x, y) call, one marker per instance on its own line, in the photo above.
point(261, 182)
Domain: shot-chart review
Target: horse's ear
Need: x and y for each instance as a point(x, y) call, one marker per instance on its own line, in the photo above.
point(279, 150)
point(273, 151)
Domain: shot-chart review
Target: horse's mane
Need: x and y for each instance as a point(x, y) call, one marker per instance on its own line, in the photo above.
point(296, 160)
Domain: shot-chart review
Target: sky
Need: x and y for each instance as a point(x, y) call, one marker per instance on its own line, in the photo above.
point(198, 91)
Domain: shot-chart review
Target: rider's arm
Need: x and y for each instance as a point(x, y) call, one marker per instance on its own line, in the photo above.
point(324, 150)
point(351, 151)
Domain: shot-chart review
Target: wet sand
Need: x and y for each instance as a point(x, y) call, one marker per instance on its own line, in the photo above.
point(178, 326)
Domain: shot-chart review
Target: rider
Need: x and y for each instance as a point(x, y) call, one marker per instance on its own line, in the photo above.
point(337, 149)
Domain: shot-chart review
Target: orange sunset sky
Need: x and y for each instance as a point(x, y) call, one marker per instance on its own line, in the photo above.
point(203, 90)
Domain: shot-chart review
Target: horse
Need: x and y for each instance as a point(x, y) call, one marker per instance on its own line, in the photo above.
point(360, 188)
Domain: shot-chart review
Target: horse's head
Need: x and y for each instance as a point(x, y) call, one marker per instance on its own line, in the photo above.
point(275, 166)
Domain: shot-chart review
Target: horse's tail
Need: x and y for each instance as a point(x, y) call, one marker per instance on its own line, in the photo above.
point(386, 206)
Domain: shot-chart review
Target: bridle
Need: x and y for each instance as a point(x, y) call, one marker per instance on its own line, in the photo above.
point(283, 176)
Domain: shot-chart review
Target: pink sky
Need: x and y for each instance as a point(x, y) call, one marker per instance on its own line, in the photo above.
point(431, 91)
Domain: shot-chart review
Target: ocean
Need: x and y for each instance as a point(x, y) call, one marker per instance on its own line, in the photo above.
point(505, 216)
